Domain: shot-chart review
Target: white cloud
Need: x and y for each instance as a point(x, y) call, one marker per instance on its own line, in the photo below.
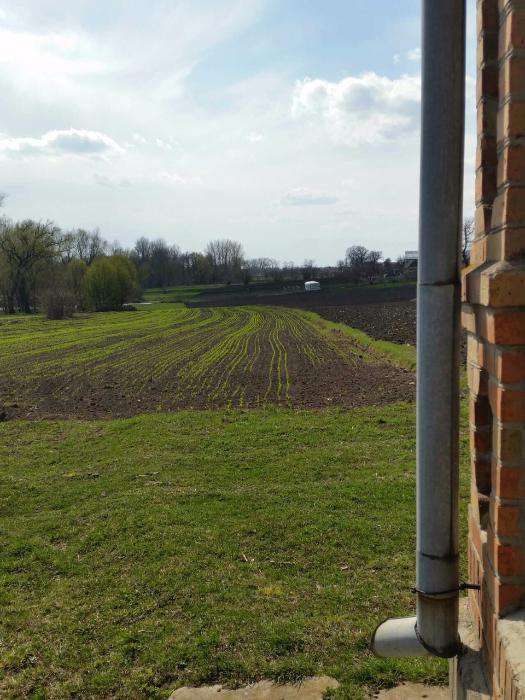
point(171, 178)
point(254, 137)
point(366, 109)
point(78, 142)
point(414, 54)
point(111, 182)
point(301, 196)
point(411, 55)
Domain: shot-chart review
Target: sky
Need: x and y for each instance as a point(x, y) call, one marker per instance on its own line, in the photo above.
point(291, 126)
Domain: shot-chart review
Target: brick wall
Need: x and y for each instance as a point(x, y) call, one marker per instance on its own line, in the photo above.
point(494, 319)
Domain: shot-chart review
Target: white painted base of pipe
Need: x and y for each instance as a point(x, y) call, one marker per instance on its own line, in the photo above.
point(397, 637)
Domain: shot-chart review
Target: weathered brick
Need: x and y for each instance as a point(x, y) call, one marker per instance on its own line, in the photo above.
point(507, 404)
point(511, 76)
point(485, 185)
point(483, 219)
point(508, 443)
point(511, 164)
point(503, 284)
point(480, 413)
point(507, 482)
point(468, 318)
point(511, 120)
point(506, 244)
point(509, 365)
point(502, 326)
point(499, 596)
point(487, 82)
point(487, 16)
point(481, 473)
point(480, 441)
point(487, 48)
point(505, 517)
point(509, 206)
point(512, 31)
point(478, 251)
point(487, 117)
point(477, 379)
point(508, 560)
point(486, 152)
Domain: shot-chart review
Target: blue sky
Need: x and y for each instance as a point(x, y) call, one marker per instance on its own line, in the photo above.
point(290, 125)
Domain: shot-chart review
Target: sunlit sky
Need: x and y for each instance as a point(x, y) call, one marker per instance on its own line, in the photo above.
point(289, 125)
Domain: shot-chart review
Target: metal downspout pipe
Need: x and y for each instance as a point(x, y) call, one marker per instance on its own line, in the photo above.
point(434, 630)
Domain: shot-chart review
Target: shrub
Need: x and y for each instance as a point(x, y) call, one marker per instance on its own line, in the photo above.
point(110, 282)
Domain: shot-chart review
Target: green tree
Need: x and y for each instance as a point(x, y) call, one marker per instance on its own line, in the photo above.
point(27, 249)
point(110, 282)
point(75, 277)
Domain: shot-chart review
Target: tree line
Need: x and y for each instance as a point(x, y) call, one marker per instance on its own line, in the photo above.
point(45, 268)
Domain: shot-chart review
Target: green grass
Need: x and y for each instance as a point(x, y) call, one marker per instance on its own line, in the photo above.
point(400, 355)
point(202, 547)
point(179, 294)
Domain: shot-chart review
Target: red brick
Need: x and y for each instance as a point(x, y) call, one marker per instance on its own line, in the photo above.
point(485, 186)
point(507, 443)
point(487, 117)
point(468, 318)
point(481, 474)
point(502, 326)
point(511, 120)
point(487, 48)
point(498, 596)
point(506, 244)
point(502, 284)
point(487, 16)
point(509, 206)
point(478, 251)
point(480, 413)
point(487, 82)
point(475, 536)
point(480, 441)
point(486, 152)
point(510, 365)
point(508, 405)
point(511, 164)
point(506, 559)
point(511, 76)
point(505, 518)
point(508, 482)
point(512, 32)
point(483, 219)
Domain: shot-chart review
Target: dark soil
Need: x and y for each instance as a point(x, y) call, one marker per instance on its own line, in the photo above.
point(393, 321)
point(341, 375)
point(384, 313)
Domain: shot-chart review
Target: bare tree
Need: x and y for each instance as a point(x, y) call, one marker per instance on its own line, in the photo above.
point(467, 236)
point(89, 245)
point(226, 258)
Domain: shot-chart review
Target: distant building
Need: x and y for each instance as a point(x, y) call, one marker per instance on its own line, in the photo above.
point(312, 286)
point(410, 261)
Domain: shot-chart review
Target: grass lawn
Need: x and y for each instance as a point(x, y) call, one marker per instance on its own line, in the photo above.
point(208, 546)
point(178, 294)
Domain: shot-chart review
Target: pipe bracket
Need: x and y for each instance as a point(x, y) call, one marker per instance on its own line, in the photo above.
point(450, 593)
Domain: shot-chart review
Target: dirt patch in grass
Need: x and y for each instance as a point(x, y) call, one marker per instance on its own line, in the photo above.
point(171, 358)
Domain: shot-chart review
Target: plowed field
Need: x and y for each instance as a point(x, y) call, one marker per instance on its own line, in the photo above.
point(171, 357)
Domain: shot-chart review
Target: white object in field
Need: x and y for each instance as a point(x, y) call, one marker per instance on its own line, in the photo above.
point(312, 286)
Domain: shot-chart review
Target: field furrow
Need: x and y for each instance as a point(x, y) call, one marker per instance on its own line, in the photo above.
point(169, 357)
